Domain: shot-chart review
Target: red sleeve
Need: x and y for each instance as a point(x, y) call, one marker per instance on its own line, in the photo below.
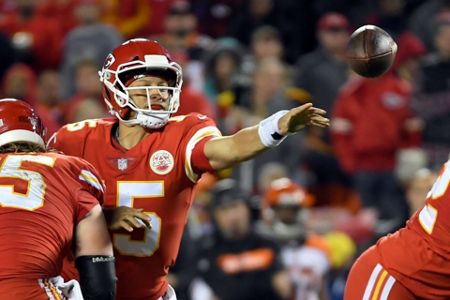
point(90, 192)
point(85, 203)
point(69, 139)
point(202, 130)
point(199, 161)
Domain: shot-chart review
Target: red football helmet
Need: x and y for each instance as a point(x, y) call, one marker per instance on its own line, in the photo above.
point(20, 123)
point(131, 60)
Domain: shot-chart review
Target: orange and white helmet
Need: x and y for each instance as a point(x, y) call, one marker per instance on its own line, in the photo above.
point(131, 60)
point(284, 210)
point(285, 192)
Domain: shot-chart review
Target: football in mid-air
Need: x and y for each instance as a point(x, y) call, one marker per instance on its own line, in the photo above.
point(371, 51)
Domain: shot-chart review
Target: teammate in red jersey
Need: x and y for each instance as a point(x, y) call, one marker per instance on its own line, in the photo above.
point(151, 161)
point(414, 262)
point(44, 198)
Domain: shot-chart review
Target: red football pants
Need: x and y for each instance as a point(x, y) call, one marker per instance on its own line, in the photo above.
point(368, 280)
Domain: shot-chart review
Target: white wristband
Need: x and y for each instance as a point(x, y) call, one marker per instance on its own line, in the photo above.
point(268, 130)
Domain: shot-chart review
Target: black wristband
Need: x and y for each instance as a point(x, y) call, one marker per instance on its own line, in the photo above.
point(276, 136)
point(97, 277)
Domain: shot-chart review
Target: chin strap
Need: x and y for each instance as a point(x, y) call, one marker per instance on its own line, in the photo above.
point(152, 121)
point(147, 121)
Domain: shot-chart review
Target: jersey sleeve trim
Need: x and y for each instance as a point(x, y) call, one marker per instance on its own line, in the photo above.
point(197, 137)
point(90, 178)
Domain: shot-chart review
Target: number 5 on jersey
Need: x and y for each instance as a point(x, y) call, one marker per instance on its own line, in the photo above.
point(11, 169)
point(127, 191)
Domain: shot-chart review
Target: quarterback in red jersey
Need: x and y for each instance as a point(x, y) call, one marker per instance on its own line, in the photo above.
point(151, 161)
point(414, 262)
point(44, 198)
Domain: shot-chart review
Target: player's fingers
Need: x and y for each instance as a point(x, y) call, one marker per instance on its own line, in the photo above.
point(144, 218)
point(320, 123)
point(133, 221)
point(318, 111)
point(123, 224)
point(301, 108)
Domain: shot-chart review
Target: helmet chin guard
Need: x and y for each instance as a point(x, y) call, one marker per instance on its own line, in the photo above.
point(149, 121)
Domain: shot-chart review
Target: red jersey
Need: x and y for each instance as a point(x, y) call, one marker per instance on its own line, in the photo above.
point(419, 255)
point(158, 175)
point(42, 195)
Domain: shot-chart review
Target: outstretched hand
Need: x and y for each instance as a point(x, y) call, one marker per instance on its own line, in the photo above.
point(302, 116)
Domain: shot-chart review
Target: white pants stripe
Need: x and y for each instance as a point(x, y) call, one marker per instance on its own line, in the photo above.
point(387, 288)
point(373, 277)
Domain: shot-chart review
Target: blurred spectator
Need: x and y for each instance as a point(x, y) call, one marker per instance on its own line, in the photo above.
point(407, 60)
point(36, 39)
point(408, 162)
point(318, 77)
point(215, 15)
point(270, 172)
point(265, 44)
point(236, 263)
point(62, 11)
point(159, 11)
point(87, 103)
point(266, 96)
point(50, 96)
point(322, 72)
point(129, 17)
point(419, 186)
point(370, 123)
point(90, 40)
point(422, 20)
point(253, 14)
point(20, 82)
point(390, 16)
point(222, 76)
point(432, 98)
point(181, 33)
point(192, 100)
point(304, 254)
point(7, 54)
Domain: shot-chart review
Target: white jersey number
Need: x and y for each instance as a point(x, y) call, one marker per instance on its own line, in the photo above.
point(33, 198)
point(428, 214)
point(127, 191)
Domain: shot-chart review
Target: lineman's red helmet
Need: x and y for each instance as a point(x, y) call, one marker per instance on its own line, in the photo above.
point(20, 123)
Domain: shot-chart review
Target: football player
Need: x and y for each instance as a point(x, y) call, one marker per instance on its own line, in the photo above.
point(44, 198)
point(151, 161)
point(414, 262)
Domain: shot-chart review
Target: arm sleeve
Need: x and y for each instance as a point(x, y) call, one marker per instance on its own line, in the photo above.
point(69, 142)
point(196, 162)
point(90, 192)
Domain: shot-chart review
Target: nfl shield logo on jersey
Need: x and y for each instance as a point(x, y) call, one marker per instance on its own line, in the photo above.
point(122, 164)
point(161, 162)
